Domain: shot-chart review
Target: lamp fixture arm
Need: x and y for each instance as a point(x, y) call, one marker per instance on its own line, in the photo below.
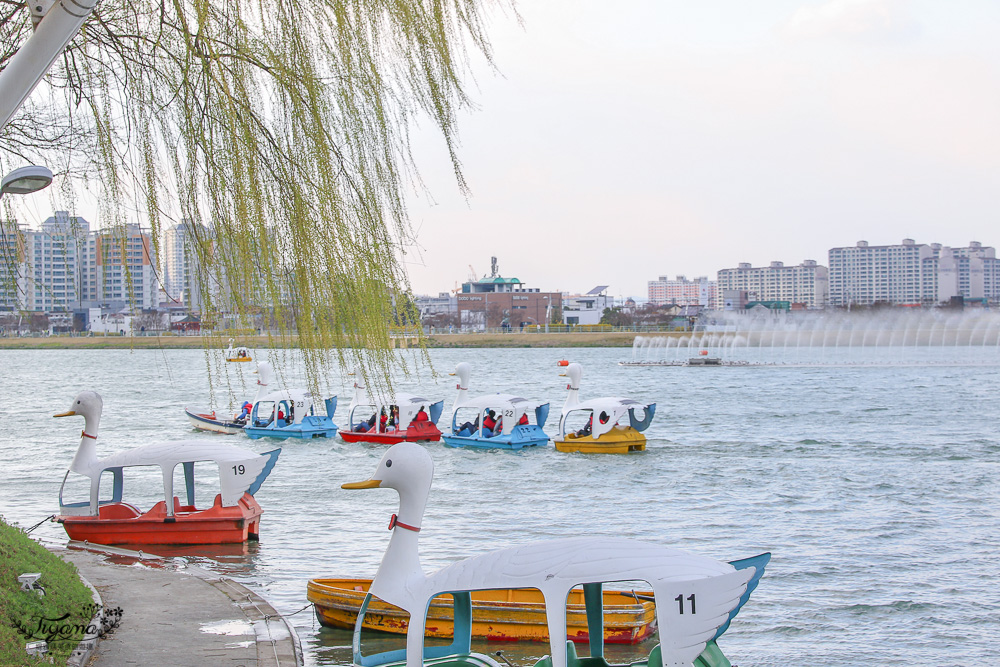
point(55, 25)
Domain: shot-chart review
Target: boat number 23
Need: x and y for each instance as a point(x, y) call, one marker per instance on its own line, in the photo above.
point(680, 602)
point(239, 470)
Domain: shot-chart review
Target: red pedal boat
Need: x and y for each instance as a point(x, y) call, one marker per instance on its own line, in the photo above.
point(402, 417)
point(233, 517)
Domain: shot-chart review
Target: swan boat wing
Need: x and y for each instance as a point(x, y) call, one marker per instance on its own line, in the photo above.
point(708, 589)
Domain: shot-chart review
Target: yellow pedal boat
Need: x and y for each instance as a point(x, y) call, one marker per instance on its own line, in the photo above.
point(619, 440)
point(497, 615)
point(614, 425)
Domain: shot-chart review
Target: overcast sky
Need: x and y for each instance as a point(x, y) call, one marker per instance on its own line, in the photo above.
point(624, 141)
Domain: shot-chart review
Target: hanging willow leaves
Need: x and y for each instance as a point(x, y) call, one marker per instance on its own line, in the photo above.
point(280, 131)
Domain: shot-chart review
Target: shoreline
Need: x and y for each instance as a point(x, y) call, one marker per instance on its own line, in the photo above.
point(457, 340)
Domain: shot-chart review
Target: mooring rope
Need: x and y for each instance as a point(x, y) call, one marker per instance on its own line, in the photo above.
point(51, 516)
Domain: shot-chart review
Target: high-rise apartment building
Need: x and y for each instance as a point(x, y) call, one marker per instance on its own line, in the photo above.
point(66, 266)
point(180, 263)
point(806, 284)
point(912, 273)
point(12, 269)
point(683, 292)
point(126, 269)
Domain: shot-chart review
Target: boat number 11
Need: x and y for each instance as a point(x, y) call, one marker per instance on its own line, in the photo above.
point(680, 602)
point(239, 470)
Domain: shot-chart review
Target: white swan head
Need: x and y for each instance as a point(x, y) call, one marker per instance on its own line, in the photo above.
point(463, 371)
point(405, 467)
point(265, 374)
point(409, 469)
point(89, 405)
point(574, 372)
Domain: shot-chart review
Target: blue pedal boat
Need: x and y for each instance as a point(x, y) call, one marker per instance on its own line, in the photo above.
point(494, 421)
point(290, 414)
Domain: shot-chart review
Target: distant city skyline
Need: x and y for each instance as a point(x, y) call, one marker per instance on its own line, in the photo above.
point(659, 137)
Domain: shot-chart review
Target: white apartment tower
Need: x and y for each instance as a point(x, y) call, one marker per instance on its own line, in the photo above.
point(806, 284)
point(912, 273)
point(66, 266)
point(683, 292)
point(180, 263)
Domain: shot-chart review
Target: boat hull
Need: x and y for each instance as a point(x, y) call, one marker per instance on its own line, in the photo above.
point(417, 432)
point(207, 421)
point(519, 438)
point(121, 523)
point(255, 433)
point(310, 427)
point(497, 615)
point(615, 441)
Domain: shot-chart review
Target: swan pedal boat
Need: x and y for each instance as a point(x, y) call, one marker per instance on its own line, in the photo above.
point(408, 405)
point(304, 422)
point(614, 427)
point(700, 596)
point(234, 516)
point(498, 615)
point(238, 354)
point(211, 420)
point(510, 409)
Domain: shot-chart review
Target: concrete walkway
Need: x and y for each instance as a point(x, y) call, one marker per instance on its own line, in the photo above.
point(180, 615)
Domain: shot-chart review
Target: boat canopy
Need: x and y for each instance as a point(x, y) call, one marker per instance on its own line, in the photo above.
point(299, 399)
point(614, 409)
point(507, 406)
point(409, 405)
point(240, 470)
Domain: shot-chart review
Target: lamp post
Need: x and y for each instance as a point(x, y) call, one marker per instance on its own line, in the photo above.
point(25, 180)
point(548, 308)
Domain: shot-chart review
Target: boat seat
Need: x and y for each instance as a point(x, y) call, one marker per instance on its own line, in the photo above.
point(178, 508)
point(118, 511)
point(573, 660)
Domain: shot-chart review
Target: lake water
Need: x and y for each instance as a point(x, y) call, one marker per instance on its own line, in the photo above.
point(874, 485)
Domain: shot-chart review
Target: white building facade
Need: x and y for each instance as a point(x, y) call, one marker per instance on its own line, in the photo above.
point(180, 264)
point(806, 284)
point(698, 292)
point(912, 274)
point(586, 308)
point(65, 266)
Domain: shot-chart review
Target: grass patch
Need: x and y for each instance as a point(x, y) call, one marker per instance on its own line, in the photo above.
point(21, 611)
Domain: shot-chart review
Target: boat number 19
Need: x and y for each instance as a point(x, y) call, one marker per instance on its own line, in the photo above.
point(239, 470)
point(680, 602)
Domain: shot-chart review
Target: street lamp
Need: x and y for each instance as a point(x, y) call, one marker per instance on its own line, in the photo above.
point(548, 308)
point(25, 180)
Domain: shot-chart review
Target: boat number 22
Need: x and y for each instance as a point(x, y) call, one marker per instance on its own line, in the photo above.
point(680, 602)
point(239, 470)
point(508, 413)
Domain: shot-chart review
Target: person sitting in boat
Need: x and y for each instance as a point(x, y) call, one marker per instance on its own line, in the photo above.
point(588, 429)
point(489, 424)
point(365, 426)
point(468, 428)
point(382, 421)
point(281, 416)
point(523, 421)
point(421, 416)
point(604, 417)
point(393, 418)
point(244, 412)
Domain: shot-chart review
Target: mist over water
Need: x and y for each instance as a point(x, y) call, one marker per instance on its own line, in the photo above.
point(874, 485)
point(893, 336)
